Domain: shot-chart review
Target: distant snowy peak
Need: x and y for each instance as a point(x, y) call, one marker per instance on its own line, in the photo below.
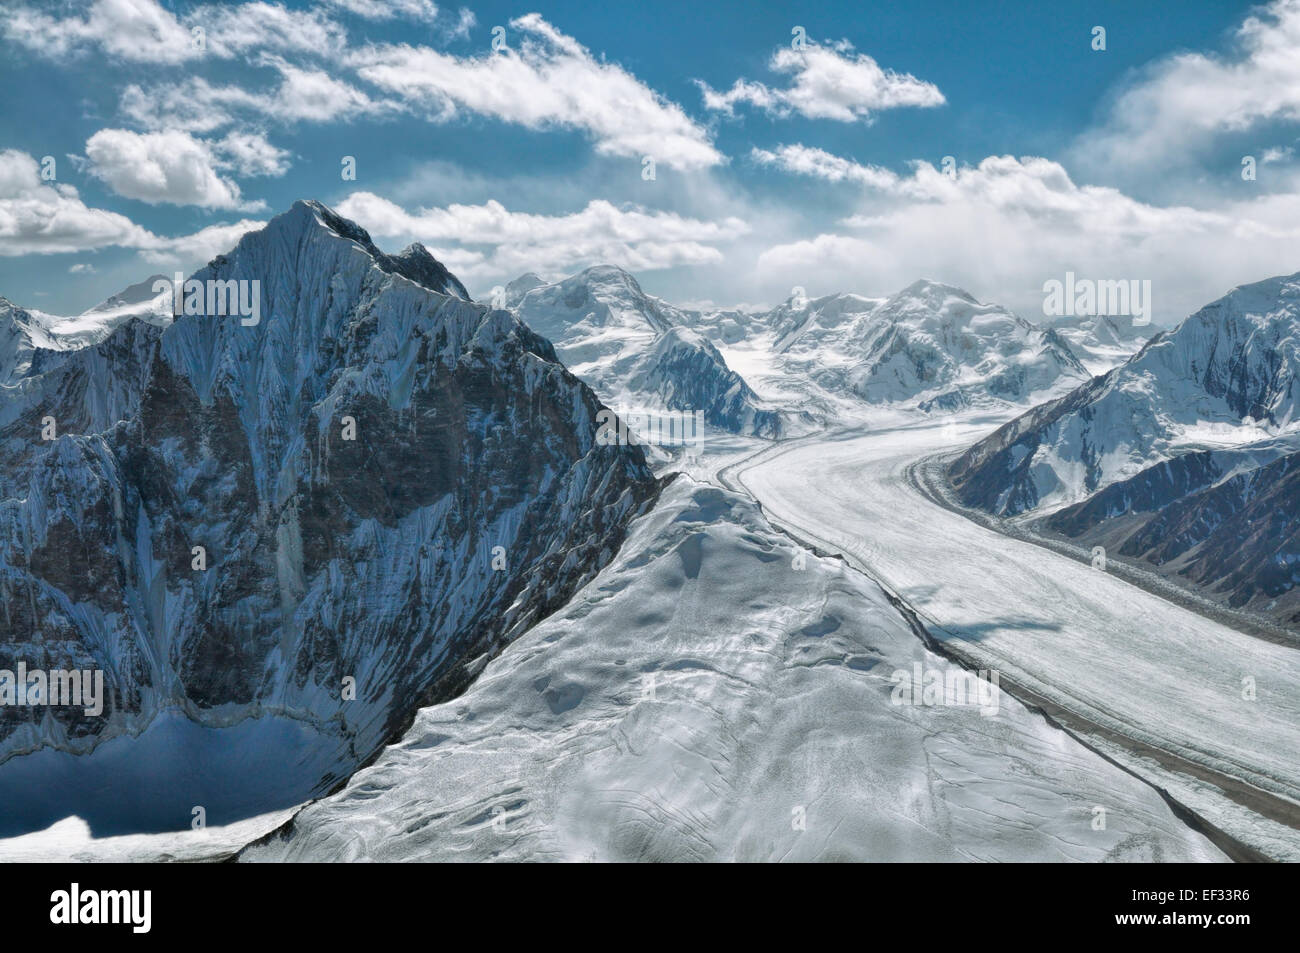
point(637, 351)
point(926, 299)
point(516, 289)
point(802, 323)
point(1212, 382)
point(1102, 342)
point(685, 371)
point(1100, 329)
point(142, 292)
point(27, 328)
point(599, 297)
point(932, 345)
point(24, 336)
point(955, 316)
point(959, 351)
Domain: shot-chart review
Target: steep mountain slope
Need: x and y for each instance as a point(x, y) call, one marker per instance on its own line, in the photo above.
point(1228, 521)
point(387, 481)
point(1189, 388)
point(651, 720)
point(939, 341)
point(637, 351)
point(803, 326)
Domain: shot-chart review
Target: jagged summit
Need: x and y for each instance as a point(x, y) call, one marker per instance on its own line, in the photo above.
point(304, 221)
point(414, 262)
point(417, 263)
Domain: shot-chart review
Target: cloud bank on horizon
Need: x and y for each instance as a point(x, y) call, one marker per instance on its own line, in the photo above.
point(830, 155)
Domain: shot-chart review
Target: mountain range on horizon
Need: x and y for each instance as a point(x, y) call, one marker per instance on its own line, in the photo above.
point(930, 344)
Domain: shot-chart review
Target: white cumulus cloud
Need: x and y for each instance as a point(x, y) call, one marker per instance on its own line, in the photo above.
point(303, 95)
point(818, 163)
point(144, 31)
point(1003, 227)
point(157, 167)
point(388, 9)
point(190, 251)
point(249, 153)
point(543, 79)
point(47, 218)
point(39, 217)
point(1176, 108)
point(827, 82)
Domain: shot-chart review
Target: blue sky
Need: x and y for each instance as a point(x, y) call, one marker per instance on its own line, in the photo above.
point(820, 167)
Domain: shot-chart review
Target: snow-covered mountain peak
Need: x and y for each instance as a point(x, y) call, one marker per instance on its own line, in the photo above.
point(935, 295)
point(1242, 352)
point(638, 351)
point(140, 293)
point(1209, 383)
point(603, 296)
point(516, 289)
point(934, 306)
point(930, 343)
point(609, 277)
point(811, 320)
point(611, 295)
point(13, 314)
point(414, 262)
point(25, 341)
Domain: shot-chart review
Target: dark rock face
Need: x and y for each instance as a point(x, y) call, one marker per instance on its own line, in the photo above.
point(1149, 491)
point(386, 481)
point(1240, 537)
point(1215, 519)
